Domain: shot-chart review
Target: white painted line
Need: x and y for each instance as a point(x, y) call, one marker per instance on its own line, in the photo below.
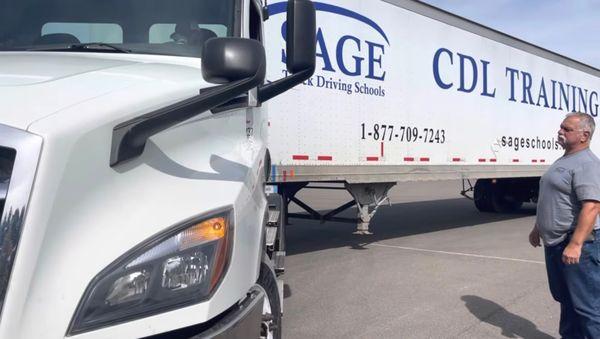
point(461, 254)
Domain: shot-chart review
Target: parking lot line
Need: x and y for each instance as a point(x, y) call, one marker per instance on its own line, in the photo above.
point(458, 254)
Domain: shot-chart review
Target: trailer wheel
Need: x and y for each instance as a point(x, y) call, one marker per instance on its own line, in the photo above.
point(482, 195)
point(503, 203)
point(492, 197)
point(271, 316)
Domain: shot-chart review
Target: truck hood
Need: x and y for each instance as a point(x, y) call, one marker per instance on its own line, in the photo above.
point(34, 85)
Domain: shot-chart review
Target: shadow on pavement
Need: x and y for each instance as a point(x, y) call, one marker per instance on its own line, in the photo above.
point(512, 325)
point(392, 222)
point(287, 291)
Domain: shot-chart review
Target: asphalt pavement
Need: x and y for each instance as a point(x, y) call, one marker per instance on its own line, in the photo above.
point(435, 267)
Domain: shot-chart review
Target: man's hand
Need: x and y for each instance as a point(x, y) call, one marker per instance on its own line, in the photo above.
point(585, 224)
point(571, 254)
point(534, 237)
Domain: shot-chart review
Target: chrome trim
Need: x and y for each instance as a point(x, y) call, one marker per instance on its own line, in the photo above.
point(28, 147)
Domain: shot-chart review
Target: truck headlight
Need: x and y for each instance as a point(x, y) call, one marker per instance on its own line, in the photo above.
point(177, 268)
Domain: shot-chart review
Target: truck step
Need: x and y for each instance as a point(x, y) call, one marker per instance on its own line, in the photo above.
point(271, 235)
point(279, 262)
point(280, 288)
point(273, 216)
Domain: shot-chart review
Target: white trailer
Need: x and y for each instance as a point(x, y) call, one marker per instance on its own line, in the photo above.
point(405, 92)
point(132, 188)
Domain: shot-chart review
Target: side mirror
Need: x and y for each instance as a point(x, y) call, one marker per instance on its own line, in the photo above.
point(237, 64)
point(226, 60)
point(301, 46)
point(300, 36)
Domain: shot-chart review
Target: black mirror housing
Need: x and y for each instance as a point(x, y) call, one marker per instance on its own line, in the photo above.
point(226, 60)
point(301, 39)
point(237, 64)
point(300, 36)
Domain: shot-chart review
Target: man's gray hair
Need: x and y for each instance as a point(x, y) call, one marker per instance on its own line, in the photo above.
point(586, 122)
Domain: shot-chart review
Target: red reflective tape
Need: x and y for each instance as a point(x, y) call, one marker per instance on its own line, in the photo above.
point(424, 159)
point(382, 149)
point(515, 160)
point(456, 159)
point(481, 160)
point(300, 157)
point(325, 157)
point(372, 158)
point(543, 160)
point(409, 159)
point(292, 173)
point(534, 160)
point(493, 160)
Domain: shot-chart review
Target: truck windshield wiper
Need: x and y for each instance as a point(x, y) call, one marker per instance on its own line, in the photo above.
point(98, 46)
point(89, 46)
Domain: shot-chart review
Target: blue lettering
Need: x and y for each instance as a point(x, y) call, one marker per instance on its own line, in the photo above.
point(512, 72)
point(340, 56)
point(594, 107)
point(375, 60)
point(485, 81)
point(283, 34)
point(542, 94)
point(553, 94)
point(574, 98)
point(526, 88)
point(582, 99)
point(436, 68)
point(322, 52)
point(462, 87)
point(320, 81)
point(563, 95)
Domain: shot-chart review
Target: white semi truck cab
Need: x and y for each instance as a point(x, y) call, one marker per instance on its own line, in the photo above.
point(133, 163)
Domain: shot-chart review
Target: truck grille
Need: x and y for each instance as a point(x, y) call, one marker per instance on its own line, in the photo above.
point(19, 155)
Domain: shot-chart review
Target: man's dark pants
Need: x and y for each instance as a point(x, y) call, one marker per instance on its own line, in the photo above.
point(577, 289)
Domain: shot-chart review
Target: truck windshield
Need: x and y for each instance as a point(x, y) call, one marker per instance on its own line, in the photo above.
point(170, 27)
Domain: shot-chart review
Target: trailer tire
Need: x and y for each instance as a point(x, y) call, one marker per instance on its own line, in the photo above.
point(482, 195)
point(492, 197)
point(271, 319)
point(502, 203)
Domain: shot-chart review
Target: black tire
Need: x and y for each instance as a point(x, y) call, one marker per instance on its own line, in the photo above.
point(482, 195)
point(492, 197)
point(502, 203)
point(268, 282)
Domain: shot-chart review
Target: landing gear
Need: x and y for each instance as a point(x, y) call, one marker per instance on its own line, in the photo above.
point(366, 197)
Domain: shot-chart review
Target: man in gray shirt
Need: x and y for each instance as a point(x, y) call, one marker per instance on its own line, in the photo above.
point(567, 223)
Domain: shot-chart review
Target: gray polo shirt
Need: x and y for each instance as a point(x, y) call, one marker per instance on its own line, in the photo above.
point(569, 181)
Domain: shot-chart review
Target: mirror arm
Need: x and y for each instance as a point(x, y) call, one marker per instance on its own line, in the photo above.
point(129, 138)
point(268, 91)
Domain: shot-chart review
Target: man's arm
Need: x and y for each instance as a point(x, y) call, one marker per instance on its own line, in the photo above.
point(585, 224)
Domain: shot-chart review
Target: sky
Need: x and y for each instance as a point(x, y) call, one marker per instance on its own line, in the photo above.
point(567, 27)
